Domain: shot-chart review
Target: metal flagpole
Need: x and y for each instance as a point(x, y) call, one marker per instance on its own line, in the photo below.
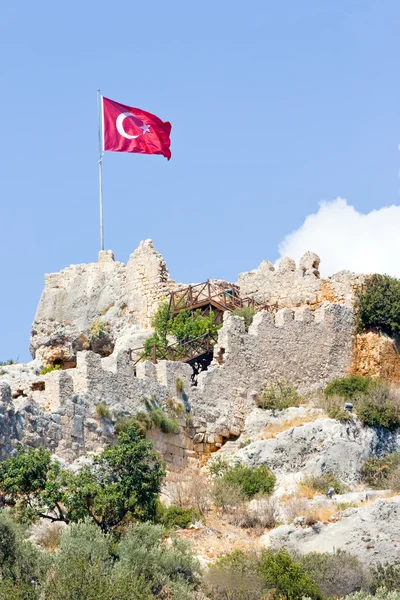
point(101, 154)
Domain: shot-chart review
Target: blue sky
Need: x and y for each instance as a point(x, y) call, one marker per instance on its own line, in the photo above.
point(275, 106)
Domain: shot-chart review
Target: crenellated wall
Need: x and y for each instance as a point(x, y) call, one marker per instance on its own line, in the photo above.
point(308, 348)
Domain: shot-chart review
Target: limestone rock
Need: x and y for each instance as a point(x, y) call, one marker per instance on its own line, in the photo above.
point(322, 446)
point(370, 533)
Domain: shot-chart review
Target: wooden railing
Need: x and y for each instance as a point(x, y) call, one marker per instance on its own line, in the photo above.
point(196, 296)
point(180, 351)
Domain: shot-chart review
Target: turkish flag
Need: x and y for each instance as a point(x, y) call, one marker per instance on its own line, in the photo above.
point(127, 129)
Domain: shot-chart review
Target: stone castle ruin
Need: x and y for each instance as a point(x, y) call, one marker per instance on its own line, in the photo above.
point(304, 334)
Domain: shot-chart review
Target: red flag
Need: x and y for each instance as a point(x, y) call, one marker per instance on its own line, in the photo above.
point(127, 129)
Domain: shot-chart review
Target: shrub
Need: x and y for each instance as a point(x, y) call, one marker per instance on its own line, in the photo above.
point(189, 491)
point(377, 305)
point(98, 329)
point(234, 577)
point(387, 576)
point(179, 385)
point(335, 574)
point(184, 327)
point(49, 369)
point(381, 594)
point(278, 395)
point(102, 411)
point(376, 472)
point(394, 480)
point(251, 480)
point(320, 483)
point(247, 312)
point(227, 496)
point(348, 387)
point(176, 516)
point(379, 407)
point(218, 466)
point(286, 576)
point(340, 414)
point(159, 418)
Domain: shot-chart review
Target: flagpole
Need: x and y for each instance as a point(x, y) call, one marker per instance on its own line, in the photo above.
point(101, 154)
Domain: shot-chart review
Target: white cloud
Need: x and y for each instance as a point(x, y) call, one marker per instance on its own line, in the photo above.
point(347, 239)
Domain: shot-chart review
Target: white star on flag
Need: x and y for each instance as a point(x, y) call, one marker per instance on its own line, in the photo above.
point(145, 128)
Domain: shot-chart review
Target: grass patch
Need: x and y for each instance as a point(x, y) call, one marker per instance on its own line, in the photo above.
point(320, 483)
point(49, 369)
point(102, 411)
point(179, 385)
point(247, 312)
point(277, 395)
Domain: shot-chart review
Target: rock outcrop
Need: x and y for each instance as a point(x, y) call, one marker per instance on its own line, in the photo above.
point(370, 533)
point(322, 446)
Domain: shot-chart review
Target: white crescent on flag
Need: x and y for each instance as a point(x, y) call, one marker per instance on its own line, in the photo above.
point(120, 127)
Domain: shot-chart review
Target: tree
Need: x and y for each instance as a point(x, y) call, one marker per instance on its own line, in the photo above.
point(184, 327)
point(378, 305)
point(124, 479)
point(286, 577)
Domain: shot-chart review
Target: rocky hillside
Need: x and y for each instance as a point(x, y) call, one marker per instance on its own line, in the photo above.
point(262, 408)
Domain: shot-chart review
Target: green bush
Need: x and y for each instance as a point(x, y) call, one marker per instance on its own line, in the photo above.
point(49, 369)
point(234, 577)
point(376, 472)
point(286, 577)
point(278, 395)
point(348, 387)
point(176, 516)
point(98, 329)
point(387, 576)
point(340, 414)
point(335, 574)
point(320, 483)
point(184, 327)
point(379, 407)
point(218, 466)
point(247, 312)
point(251, 480)
point(102, 411)
point(377, 305)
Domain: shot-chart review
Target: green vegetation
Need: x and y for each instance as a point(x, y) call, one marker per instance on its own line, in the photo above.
point(320, 483)
point(277, 395)
point(247, 313)
point(92, 565)
point(8, 362)
point(184, 327)
point(335, 574)
point(375, 403)
point(154, 416)
point(98, 329)
point(378, 305)
point(123, 481)
point(287, 577)
point(340, 414)
point(348, 387)
point(179, 385)
point(250, 480)
point(380, 407)
point(49, 369)
point(176, 516)
point(102, 411)
point(376, 472)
